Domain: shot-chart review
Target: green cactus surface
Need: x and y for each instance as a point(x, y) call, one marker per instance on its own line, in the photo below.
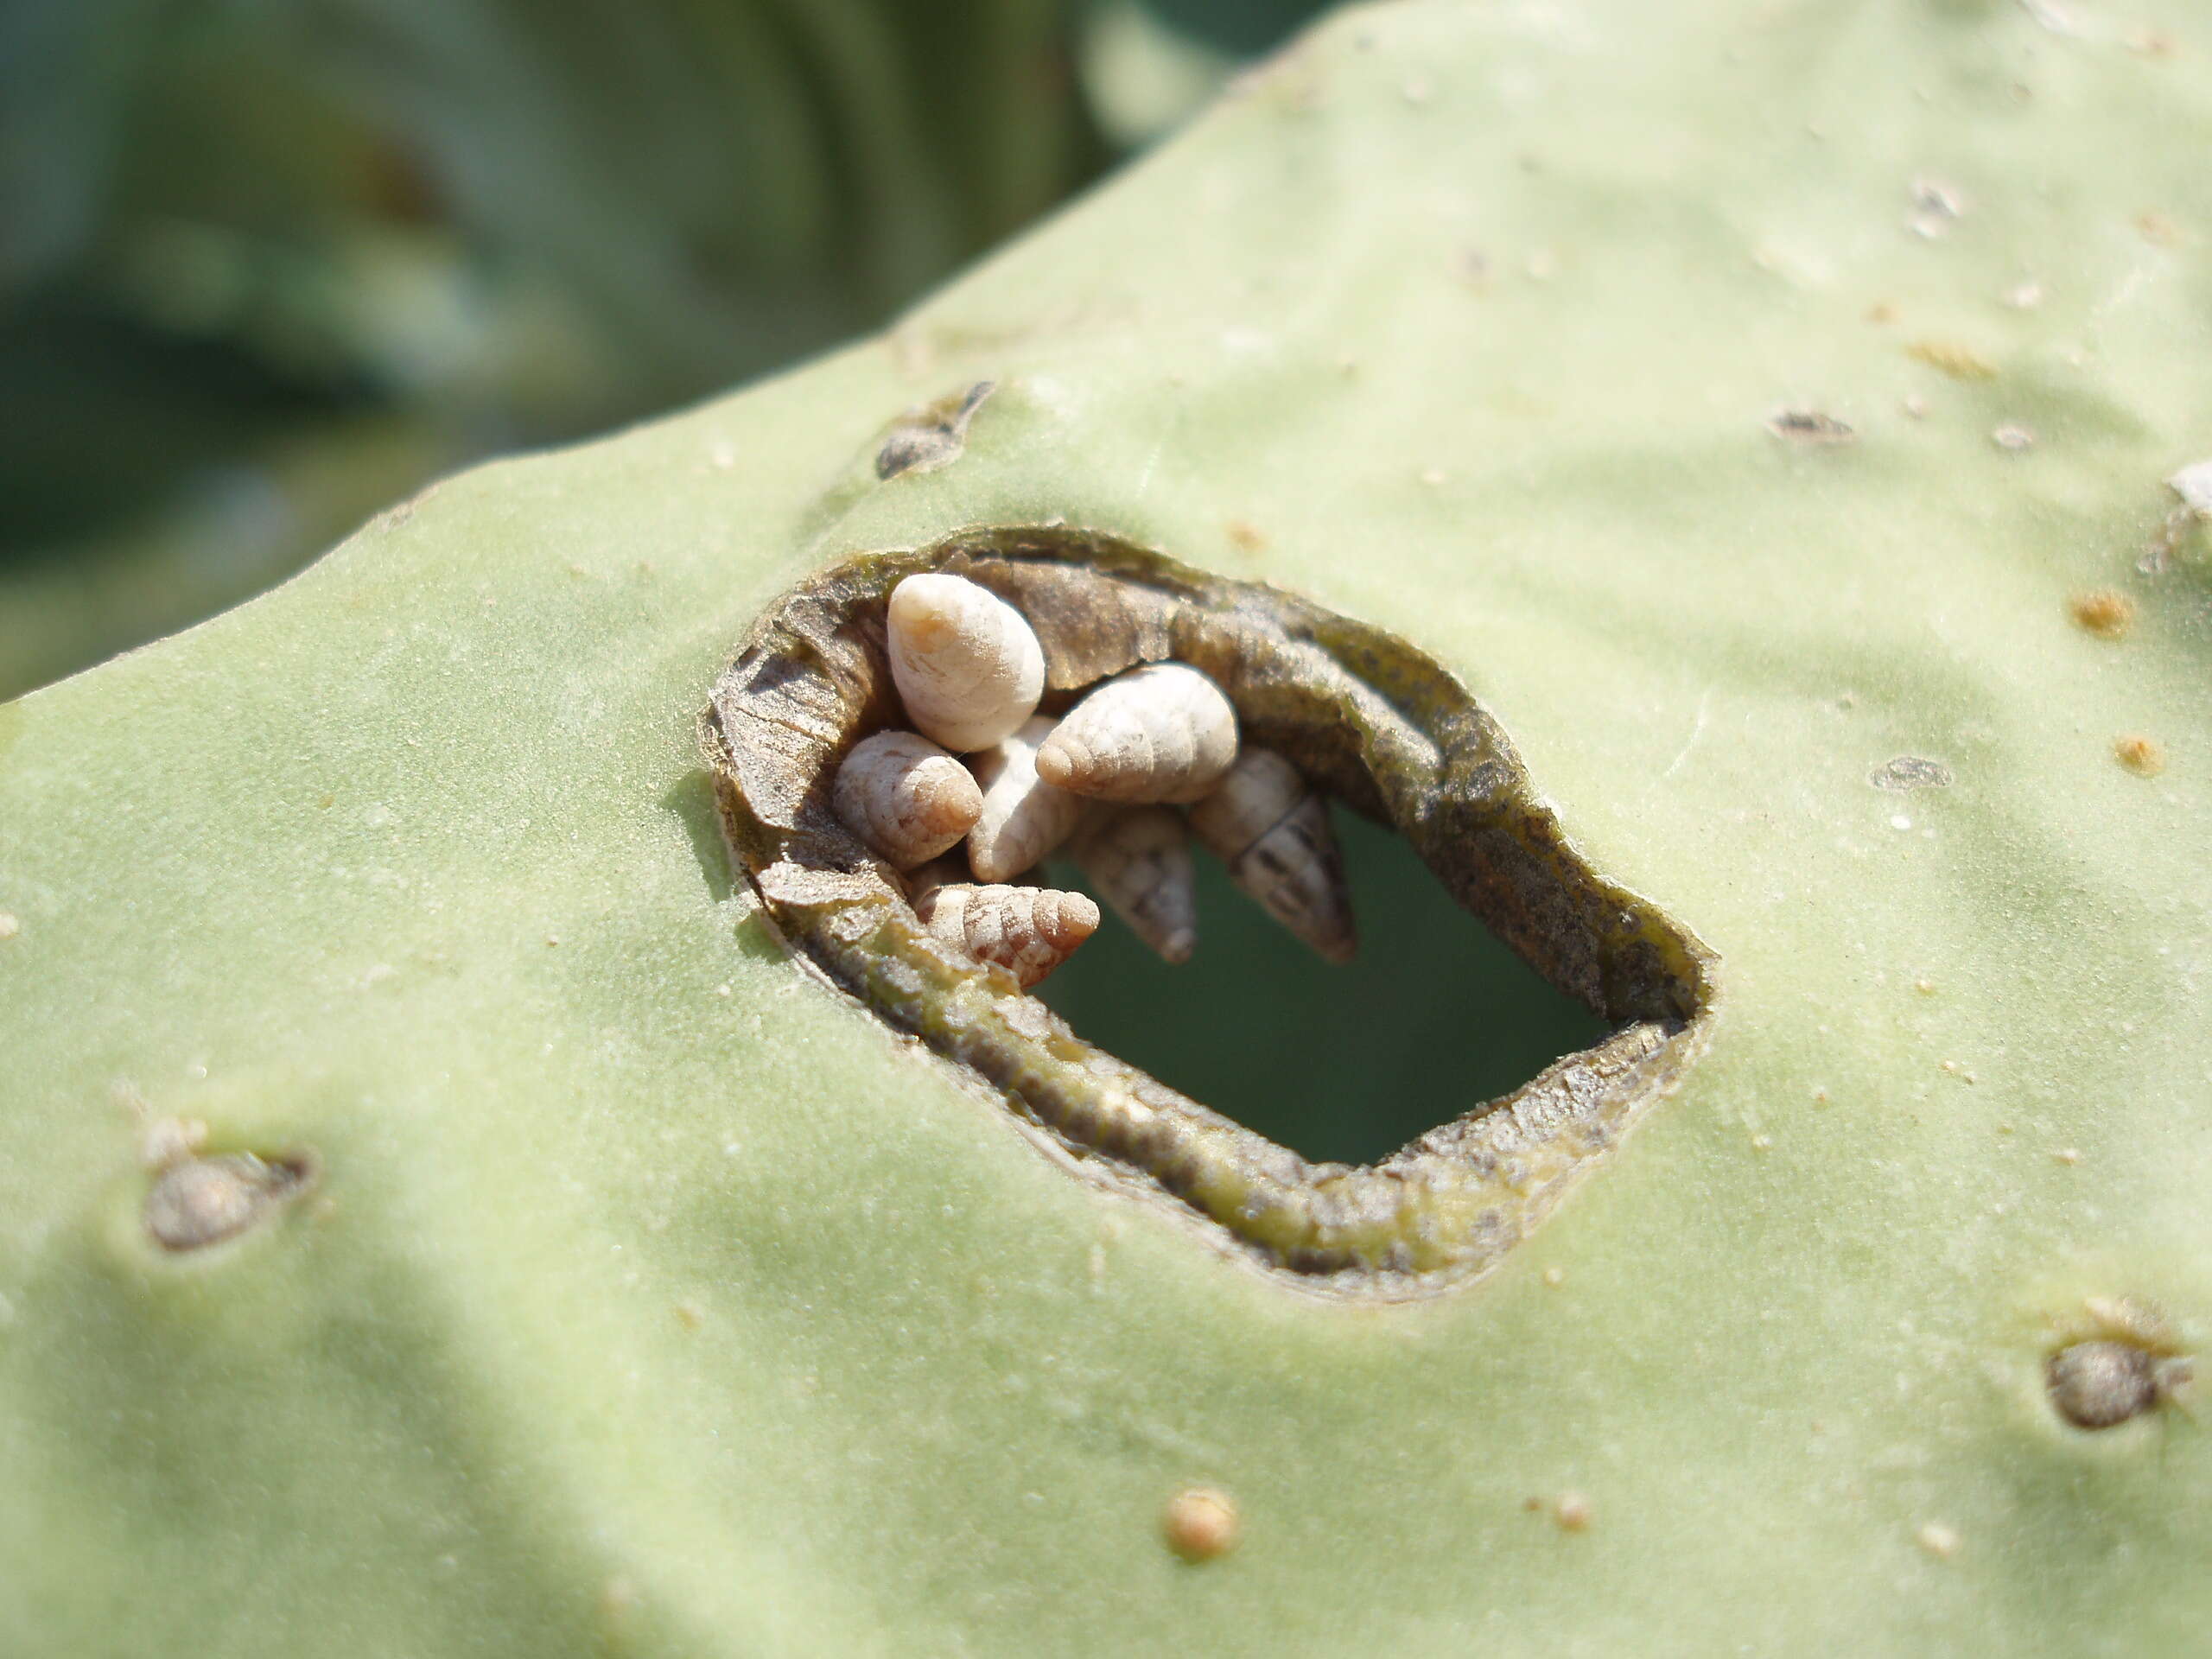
point(1764, 409)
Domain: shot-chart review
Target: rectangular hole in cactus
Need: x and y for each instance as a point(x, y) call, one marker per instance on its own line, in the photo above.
point(1345, 1064)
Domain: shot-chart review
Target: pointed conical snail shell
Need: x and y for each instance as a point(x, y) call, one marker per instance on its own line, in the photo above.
point(905, 798)
point(1027, 931)
point(1160, 733)
point(1273, 832)
point(1024, 817)
point(1139, 858)
point(968, 667)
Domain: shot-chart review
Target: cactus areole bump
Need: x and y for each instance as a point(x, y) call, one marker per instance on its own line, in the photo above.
point(1376, 725)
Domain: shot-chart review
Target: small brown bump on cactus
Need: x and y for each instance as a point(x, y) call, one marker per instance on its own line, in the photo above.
point(1162, 732)
point(2104, 1383)
point(2144, 756)
point(2105, 612)
point(1139, 858)
point(196, 1202)
point(905, 798)
point(1027, 931)
point(1273, 833)
point(1951, 357)
point(1201, 1524)
point(968, 666)
point(1022, 818)
point(2098, 1385)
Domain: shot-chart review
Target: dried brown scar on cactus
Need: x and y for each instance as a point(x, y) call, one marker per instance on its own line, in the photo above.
point(2124, 1360)
point(2103, 1384)
point(2105, 612)
point(1358, 718)
point(195, 1202)
point(933, 437)
point(1810, 426)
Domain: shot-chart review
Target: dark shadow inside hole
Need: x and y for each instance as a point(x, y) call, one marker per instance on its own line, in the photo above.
point(1339, 1064)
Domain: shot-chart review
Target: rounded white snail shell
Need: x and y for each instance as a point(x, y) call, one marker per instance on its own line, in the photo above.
point(905, 798)
point(1164, 732)
point(1024, 817)
point(1139, 859)
point(968, 666)
point(1273, 833)
point(1027, 931)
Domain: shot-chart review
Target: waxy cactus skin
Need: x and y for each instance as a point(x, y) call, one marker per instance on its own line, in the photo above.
point(652, 1299)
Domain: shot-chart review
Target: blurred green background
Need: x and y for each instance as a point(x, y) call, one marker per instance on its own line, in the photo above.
point(269, 266)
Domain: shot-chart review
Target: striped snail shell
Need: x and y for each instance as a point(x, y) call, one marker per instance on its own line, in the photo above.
point(1164, 732)
point(1023, 816)
point(1027, 931)
point(1273, 833)
point(968, 666)
point(1139, 859)
point(905, 798)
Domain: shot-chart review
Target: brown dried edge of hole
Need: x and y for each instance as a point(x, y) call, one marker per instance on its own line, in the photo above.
point(1371, 720)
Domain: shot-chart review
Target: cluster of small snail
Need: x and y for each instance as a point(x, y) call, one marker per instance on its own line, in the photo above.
point(1103, 781)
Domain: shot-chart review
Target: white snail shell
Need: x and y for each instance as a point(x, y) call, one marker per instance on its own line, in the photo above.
point(1273, 833)
point(1139, 859)
point(1027, 931)
point(968, 666)
point(905, 798)
point(1164, 732)
point(1024, 817)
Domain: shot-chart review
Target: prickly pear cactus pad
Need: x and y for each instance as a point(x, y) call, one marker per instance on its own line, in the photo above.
point(441, 1212)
